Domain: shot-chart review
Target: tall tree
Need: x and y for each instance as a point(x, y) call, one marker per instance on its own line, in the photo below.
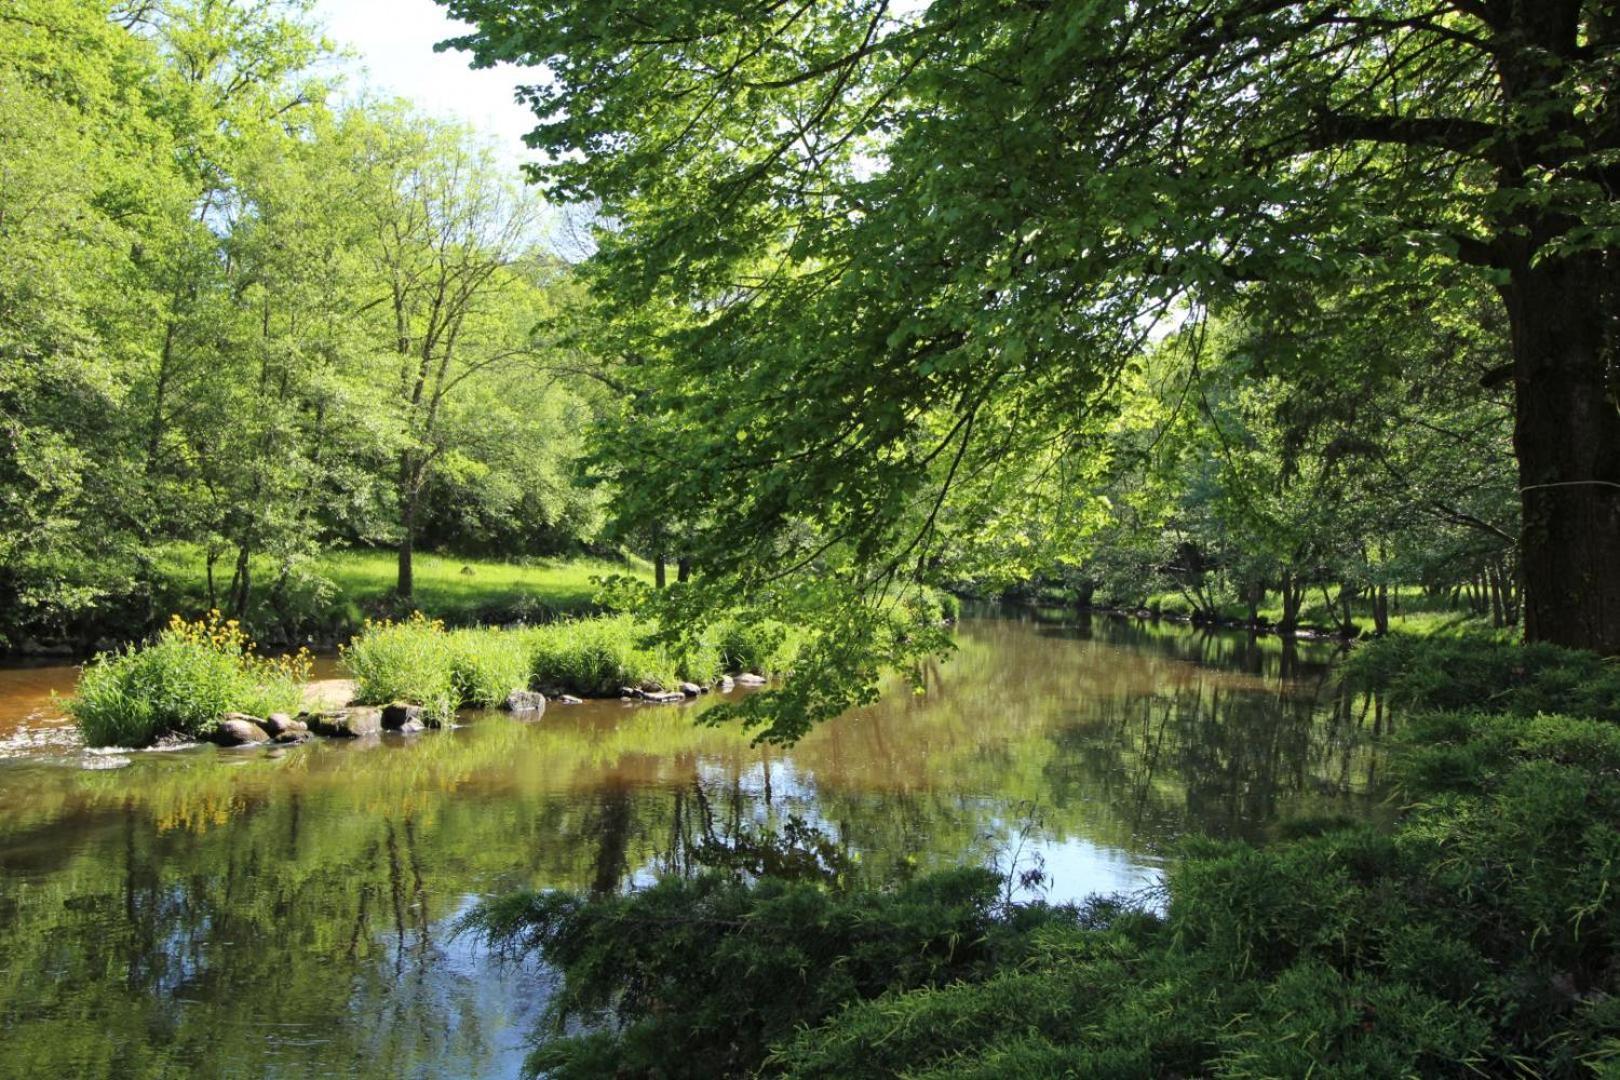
point(876, 213)
point(449, 238)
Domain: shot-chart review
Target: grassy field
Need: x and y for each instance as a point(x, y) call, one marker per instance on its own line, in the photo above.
point(341, 589)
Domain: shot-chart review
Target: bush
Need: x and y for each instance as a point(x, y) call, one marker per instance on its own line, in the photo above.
point(418, 661)
point(723, 969)
point(1472, 673)
point(487, 665)
point(181, 684)
point(750, 646)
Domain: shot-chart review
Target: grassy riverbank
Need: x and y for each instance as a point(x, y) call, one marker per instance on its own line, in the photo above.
point(1476, 937)
point(340, 589)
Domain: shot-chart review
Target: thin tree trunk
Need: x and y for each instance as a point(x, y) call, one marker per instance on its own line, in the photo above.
point(683, 568)
point(660, 575)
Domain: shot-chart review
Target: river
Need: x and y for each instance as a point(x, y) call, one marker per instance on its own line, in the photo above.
point(287, 912)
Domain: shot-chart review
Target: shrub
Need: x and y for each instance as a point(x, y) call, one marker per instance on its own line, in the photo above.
point(182, 683)
point(723, 969)
point(750, 646)
point(1474, 673)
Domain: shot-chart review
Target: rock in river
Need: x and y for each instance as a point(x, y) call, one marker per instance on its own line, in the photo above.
point(525, 701)
point(279, 723)
point(397, 715)
point(239, 729)
point(345, 723)
point(748, 678)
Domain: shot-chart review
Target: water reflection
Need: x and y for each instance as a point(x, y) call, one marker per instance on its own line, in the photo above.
point(286, 912)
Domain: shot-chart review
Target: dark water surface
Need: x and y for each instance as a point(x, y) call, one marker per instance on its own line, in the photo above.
point(287, 912)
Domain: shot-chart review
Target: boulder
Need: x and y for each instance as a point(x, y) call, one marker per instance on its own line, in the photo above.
point(411, 727)
point(239, 729)
point(628, 692)
point(348, 723)
point(525, 701)
point(726, 684)
point(292, 738)
point(651, 686)
point(279, 723)
point(748, 678)
point(398, 714)
point(663, 697)
point(569, 699)
point(691, 689)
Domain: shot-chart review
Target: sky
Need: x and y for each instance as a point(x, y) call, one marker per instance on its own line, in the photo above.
point(394, 40)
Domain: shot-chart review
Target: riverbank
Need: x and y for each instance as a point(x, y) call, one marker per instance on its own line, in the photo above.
point(1420, 616)
point(328, 599)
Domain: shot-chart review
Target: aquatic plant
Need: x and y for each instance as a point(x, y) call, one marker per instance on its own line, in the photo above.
point(182, 683)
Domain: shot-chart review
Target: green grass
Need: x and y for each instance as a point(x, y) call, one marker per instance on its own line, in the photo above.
point(333, 595)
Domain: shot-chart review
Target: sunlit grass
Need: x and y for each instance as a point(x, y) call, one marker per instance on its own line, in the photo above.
point(338, 590)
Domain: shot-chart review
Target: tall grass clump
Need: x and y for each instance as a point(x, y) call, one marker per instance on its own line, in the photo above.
point(486, 665)
point(408, 660)
point(182, 683)
point(417, 660)
point(595, 657)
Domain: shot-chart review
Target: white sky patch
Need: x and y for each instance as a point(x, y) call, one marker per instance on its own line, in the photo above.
point(393, 41)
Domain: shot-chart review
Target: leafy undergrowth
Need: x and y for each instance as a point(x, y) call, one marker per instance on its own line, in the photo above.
point(181, 684)
point(1480, 936)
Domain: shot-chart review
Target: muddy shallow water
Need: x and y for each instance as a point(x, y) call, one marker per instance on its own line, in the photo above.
point(287, 912)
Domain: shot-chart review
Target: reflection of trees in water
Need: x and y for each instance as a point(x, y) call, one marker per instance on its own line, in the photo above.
point(1220, 761)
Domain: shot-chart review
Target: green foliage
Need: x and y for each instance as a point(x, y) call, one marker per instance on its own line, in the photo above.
point(181, 684)
point(1470, 673)
point(486, 665)
point(410, 661)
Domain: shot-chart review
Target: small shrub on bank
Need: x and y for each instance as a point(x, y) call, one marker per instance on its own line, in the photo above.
point(418, 661)
point(182, 683)
point(487, 665)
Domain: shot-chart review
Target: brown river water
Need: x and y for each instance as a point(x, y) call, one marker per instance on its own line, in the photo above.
point(288, 912)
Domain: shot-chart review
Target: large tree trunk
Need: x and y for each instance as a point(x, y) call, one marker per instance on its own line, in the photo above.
point(1566, 435)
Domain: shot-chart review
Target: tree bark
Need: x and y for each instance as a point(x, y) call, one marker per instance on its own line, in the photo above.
point(683, 569)
point(660, 575)
point(406, 584)
point(1567, 438)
